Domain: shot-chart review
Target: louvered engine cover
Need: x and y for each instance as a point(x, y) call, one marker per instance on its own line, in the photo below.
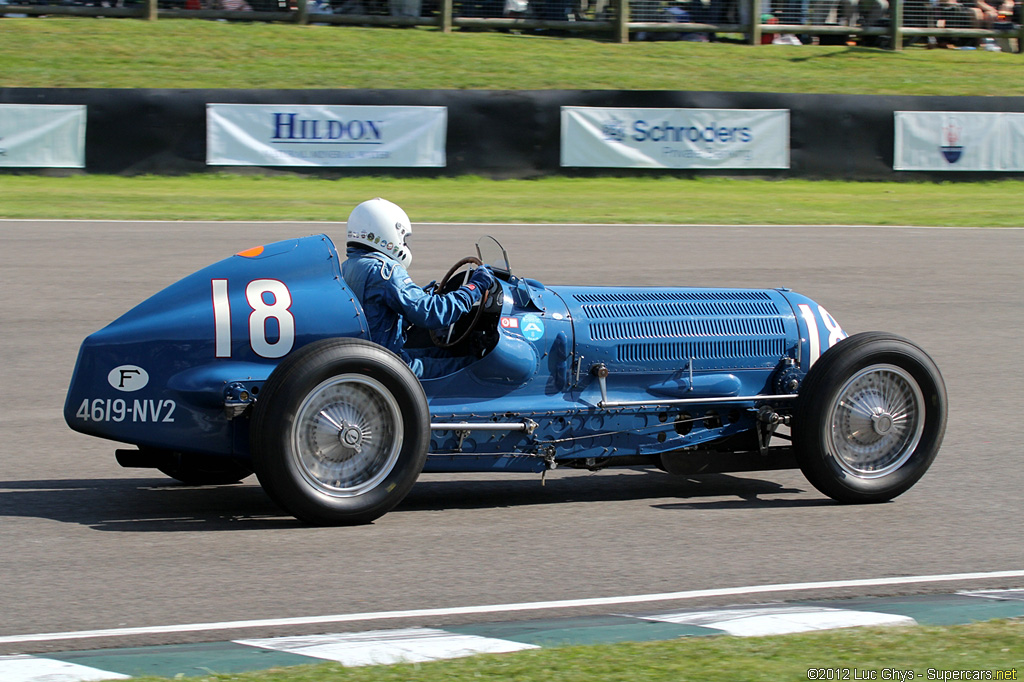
point(652, 330)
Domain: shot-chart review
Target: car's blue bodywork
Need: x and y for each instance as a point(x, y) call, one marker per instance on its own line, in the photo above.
point(584, 376)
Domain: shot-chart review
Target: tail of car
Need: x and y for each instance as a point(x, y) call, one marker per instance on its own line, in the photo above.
point(166, 373)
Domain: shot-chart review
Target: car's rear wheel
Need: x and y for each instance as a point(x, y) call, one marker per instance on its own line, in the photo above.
point(870, 418)
point(340, 432)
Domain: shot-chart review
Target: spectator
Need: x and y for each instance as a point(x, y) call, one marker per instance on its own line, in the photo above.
point(793, 12)
point(556, 10)
point(481, 8)
point(954, 14)
point(516, 9)
point(404, 8)
point(989, 12)
point(349, 7)
point(865, 12)
point(591, 9)
point(686, 12)
point(919, 13)
point(824, 12)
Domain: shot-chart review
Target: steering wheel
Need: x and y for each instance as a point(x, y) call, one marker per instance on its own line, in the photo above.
point(453, 334)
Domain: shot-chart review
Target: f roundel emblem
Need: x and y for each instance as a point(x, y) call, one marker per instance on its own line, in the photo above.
point(128, 378)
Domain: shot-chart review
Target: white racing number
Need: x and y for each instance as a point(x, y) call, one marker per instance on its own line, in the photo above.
point(835, 332)
point(270, 302)
point(119, 410)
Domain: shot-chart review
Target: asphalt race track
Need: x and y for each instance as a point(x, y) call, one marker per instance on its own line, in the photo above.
point(87, 545)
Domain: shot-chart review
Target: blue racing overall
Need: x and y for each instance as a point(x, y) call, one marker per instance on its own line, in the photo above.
point(389, 297)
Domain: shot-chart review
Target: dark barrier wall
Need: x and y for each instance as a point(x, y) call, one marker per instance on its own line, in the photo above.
point(503, 133)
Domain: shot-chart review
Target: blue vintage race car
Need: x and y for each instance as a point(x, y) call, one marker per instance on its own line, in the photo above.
point(262, 362)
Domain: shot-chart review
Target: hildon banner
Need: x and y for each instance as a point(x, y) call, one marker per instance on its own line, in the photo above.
point(958, 141)
point(606, 137)
point(325, 135)
point(42, 135)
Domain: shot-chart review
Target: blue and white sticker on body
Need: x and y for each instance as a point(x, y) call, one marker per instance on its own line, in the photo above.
point(532, 327)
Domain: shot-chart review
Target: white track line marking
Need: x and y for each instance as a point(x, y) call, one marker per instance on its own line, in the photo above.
point(383, 647)
point(508, 608)
point(756, 621)
point(32, 669)
point(998, 595)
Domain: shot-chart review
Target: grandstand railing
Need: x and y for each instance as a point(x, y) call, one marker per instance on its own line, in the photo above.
point(754, 21)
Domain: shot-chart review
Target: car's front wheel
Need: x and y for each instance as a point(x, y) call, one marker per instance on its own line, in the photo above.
point(870, 418)
point(340, 432)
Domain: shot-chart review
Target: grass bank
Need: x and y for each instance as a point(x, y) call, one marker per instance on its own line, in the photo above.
point(107, 53)
point(548, 200)
point(991, 648)
point(114, 53)
point(129, 53)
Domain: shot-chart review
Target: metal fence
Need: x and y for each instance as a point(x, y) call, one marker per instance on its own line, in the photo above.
point(874, 23)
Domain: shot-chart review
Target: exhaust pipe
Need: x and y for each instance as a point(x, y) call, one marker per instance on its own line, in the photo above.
point(142, 459)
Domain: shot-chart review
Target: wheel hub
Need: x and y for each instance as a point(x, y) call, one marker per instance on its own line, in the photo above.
point(351, 436)
point(882, 423)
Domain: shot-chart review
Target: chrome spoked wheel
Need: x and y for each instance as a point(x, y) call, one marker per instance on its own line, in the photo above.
point(347, 435)
point(340, 432)
point(876, 421)
point(870, 418)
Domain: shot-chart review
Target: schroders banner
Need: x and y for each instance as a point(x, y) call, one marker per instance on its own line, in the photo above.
point(675, 138)
point(42, 135)
point(958, 141)
point(325, 135)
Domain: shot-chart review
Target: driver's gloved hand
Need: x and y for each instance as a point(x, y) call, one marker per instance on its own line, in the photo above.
point(482, 278)
point(432, 287)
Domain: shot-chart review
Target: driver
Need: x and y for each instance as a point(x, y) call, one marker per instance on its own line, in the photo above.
point(378, 256)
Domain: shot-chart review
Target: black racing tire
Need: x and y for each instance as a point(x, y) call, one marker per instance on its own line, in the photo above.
point(340, 432)
point(203, 469)
point(869, 418)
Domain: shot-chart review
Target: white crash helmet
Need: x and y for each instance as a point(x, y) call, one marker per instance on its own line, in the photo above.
point(383, 226)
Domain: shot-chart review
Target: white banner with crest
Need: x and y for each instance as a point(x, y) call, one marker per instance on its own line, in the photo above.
point(958, 141)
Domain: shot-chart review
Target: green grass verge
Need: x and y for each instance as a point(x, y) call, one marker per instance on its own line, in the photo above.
point(131, 53)
point(993, 646)
point(547, 200)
